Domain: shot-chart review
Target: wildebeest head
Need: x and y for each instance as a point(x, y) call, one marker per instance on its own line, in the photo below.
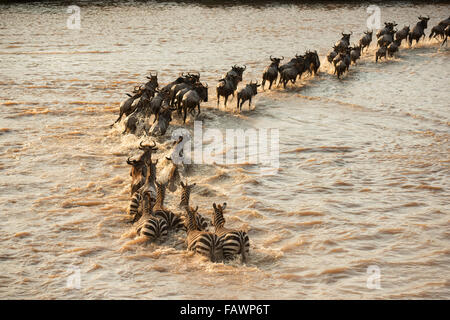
point(138, 89)
point(369, 33)
point(202, 91)
point(423, 21)
point(346, 36)
point(276, 61)
point(254, 87)
point(194, 77)
point(136, 166)
point(138, 172)
point(146, 157)
point(239, 70)
point(390, 25)
point(153, 80)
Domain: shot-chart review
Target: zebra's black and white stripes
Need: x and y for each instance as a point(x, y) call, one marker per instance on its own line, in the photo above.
point(185, 193)
point(152, 228)
point(234, 241)
point(173, 220)
point(205, 243)
point(200, 221)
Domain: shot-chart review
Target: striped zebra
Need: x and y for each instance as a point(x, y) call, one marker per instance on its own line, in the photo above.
point(134, 208)
point(205, 243)
point(173, 220)
point(234, 241)
point(174, 176)
point(200, 221)
point(146, 190)
point(150, 226)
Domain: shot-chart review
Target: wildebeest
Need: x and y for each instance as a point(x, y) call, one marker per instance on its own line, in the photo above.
point(386, 38)
point(402, 34)
point(344, 42)
point(226, 88)
point(137, 173)
point(355, 53)
point(271, 72)
point(135, 119)
point(312, 62)
point(445, 22)
point(332, 54)
point(446, 34)
point(154, 105)
point(343, 55)
point(148, 149)
point(178, 80)
point(192, 99)
point(291, 63)
point(293, 71)
point(437, 31)
point(340, 68)
point(247, 93)
point(365, 41)
point(236, 71)
point(188, 82)
point(419, 30)
point(388, 28)
point(152, 84)
point(381, 52)
point(139, 167)
point(393, 48)
point(126, 106)
point(160, 127)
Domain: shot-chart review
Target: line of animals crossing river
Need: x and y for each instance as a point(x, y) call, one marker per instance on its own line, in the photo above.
point(151, 107)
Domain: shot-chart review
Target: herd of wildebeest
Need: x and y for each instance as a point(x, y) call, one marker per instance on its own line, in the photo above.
point(147, 212)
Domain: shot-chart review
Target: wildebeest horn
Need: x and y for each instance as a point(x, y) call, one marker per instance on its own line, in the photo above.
point(131, 162)
point(282, 58)
point(351, 32)
point(245, 67)
point(271, 58)
point(169, 158)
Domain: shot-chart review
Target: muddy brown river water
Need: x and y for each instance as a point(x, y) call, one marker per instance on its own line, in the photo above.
point(363, 177)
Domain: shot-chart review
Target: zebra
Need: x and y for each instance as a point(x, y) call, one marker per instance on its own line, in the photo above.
point(150, 226)
point(200, 221)
point(202, 242)
point(147, 189)
point(135, 205)
point(234, 241)
point(173, 220)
